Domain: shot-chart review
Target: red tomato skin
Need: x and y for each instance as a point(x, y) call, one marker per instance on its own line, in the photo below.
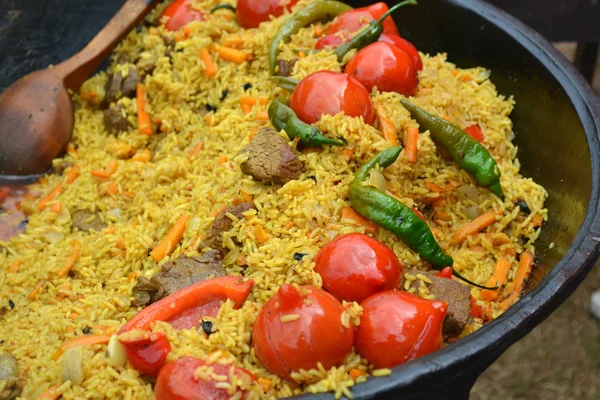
point(329, 93)
point(180, 14)
point(355, 266)
point(176, 381)
point(475, 309)
point(397, 327)
point(384, 65)
point(329, 41)
point(445, 273)
point(406, 47)
point(475, 132)
point(317, 336)
point(354, 20)
point(250, 13)
point(147, 354)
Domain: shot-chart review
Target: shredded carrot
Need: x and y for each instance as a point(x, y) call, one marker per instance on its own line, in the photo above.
point(14, 266)
point(73, 316)
point(318, 31)
point(455, 72)
point(440, 203)
point(442, 216)
point(231, 54)
point(50, 393)
point(498, 238)
point(222, 160)
point(430, 200)
point(434, 187)
point(301, 54)
point(49, 197)
point(356, 373)
point(447, 118)
point(262, 116)
point(465, 77)
point(241, 260)
point(198, 148)
point(510, 251)
point(260, 234)
point(121, 244)
point(498, 278)
point(233, 41)
point(537, 220)
point(168, 243)
point(521, 277)
point(412, 138)
point(71, 260)
point(110, 230)
point(476, 225)
point(85, 341)
point(144, 124)
point(350, 213)
point(209, 119)
point(246, 196)
point(348, 153)
point(386, 126)
point(34, 293)
point(265, 384)
point(290, 225)
point(246, 108)
point(144, 156)
point(72, 174)
point(209, 66)
point(254, 101)
point(132, 276)
point(56, 207)
point(108, 171)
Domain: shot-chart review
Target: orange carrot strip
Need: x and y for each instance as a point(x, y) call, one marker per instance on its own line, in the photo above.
point(476, 225)
point(523, 273)
point(56, 207)
point(412, 137)
point(260, 234)
point(198, 148)
point(348, 153)
point(72, 175)
point(498, 278)
point(49, 197)
point(50, 393)
point(144, 156)
point(318, 31)
point(350, 213)
point(34, 293)
point(434, 187)
point(264, 383)
point(246, 196)
point(254, 101)
point(233, 41)
point(222, 160)
point(230, 54)
point(132, 276)
point(168, 243)
point(14, 266)
point(209, 66)
point(71, 260)
point(263, 116)
point(246, 108)
point(112, 189)
point(356, 373)
point(386, 126)
point(537, 220)
point(144, 124)
point(85, 341)
point(108, 171)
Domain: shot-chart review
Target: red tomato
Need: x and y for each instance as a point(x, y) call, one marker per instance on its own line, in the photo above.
point(316, 336)
point(475, 309)
point(146, 351)
point(329, 93)
point(354, 20)
point(406, 47)
point(355, 266)
point(180, 14)
point(397, 327)
point(177, 381)
point(384, 65)
point(330, 41)
point(250, 13)
point(419, 214)
point(445, 273)
point(475, 132)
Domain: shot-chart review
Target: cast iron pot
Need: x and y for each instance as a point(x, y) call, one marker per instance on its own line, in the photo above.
point(556, 121)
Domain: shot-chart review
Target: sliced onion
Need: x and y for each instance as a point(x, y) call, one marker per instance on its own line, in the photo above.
point(116, 352)
point(72, 368)
point(376, 180)
point(467, 193)
point(472, 212)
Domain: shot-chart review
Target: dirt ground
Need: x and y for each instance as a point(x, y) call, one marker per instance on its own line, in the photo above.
point(558, 360)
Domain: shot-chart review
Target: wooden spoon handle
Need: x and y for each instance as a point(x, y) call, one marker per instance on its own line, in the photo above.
point(78, 68)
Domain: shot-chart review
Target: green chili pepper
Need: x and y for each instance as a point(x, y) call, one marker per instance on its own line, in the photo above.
point(320, 10)
point(395, 216)
point(468, 153)
point(370, 34)
point(285, 82)
point(224, 6)
point(284, 118)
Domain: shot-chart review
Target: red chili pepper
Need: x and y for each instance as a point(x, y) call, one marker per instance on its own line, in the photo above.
point(445, 273)
point(354, 20)
point(475, 132)
point(184, 309)
point(146, 351)
point(419, 214)
point(475, 309)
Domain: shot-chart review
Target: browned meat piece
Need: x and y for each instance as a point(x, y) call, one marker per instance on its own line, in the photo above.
point(147, 65)
point(9, 378)
point(457, 296)
point(271, 159)
point(221, 224)
point(176, 275)
point(130, 83)
point(114, 121)
point(86, 220)
point(59, 168)
point(119, 86)
point(286, 67)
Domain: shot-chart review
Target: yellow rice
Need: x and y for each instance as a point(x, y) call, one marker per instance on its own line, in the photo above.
point(174, 183)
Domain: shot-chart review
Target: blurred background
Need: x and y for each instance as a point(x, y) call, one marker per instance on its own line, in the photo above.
point(560, 359)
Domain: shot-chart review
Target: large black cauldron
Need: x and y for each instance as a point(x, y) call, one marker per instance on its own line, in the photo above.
point(556, 120)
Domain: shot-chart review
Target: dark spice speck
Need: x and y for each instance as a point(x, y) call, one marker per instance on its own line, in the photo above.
point(210, 107)
point(24, 222)
point(314, 178)
point(247, 86)
point(223, 94)
point(149, 251)
point(207, 327)
point(299, 256)
point(11, 304)
point(523, 206)
point(2, 341)
point(86, 330)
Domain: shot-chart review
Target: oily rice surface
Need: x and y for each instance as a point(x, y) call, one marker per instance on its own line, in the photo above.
point(142, 200)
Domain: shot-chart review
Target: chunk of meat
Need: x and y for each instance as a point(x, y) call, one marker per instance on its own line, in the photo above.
point(222, 224)
point(147, 65)
point(176, 275)
point(458, 297)
point(286, 67)
point(122, 86)
point(130, 83)
point(271, 159)
point(114, 120)
point(86, 221)
point(10, 384)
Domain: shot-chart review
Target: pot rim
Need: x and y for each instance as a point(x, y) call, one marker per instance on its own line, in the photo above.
point(564, 277)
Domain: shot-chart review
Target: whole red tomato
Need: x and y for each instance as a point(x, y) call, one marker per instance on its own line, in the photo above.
point(311, 331)
point(180, 14)
point(177, 381)
point(397, 327)
point(250, 13)
point(355, 266)
point(384, 65)
point(354, 20)
point(405, 46)
point(329, 93)
point(146, 351)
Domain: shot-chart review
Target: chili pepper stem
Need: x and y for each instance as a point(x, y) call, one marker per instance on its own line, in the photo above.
point(286, 82)
point(224, 6)
point(462, 278)
point(393, 9)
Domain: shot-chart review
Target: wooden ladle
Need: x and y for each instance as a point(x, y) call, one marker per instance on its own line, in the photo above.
point(36, 114)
